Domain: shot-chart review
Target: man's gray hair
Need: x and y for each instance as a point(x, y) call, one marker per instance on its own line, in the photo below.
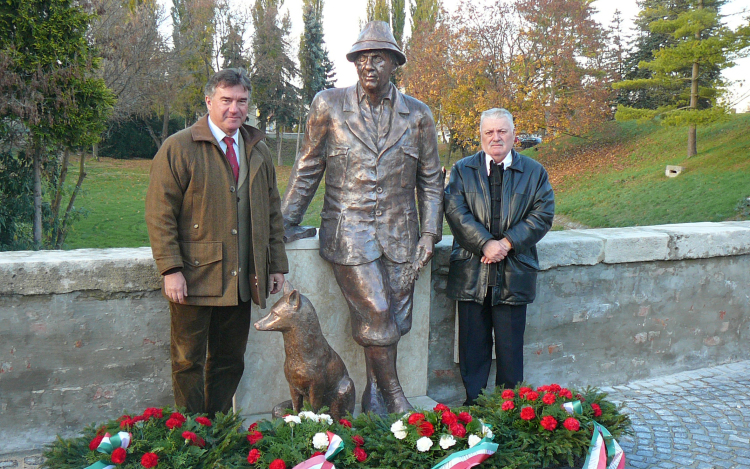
point(497, 113)
point(228, 77)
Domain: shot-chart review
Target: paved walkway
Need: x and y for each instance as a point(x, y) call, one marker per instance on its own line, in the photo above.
point(692, 420)
point(696, 419)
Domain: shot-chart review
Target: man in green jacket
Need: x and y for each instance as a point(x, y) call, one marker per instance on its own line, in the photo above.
point(216, 232)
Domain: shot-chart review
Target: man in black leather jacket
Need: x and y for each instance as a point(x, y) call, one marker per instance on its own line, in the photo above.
point(499, 204)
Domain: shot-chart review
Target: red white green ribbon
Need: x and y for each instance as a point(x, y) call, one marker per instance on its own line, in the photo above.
point(469, 457)
point(108, 444)
point(604, 452)
point(323, 461)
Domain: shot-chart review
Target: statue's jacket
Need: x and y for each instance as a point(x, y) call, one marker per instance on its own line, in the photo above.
point(369, 208)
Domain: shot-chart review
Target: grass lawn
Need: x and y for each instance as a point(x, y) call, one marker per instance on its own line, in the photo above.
point(614, 177)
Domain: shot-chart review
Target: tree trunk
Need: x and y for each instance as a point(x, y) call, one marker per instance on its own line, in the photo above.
point(95, 151)
point(279, 135)
point(692, 148)
point(299, 130)
point(63, 231)
point(165, 125)
point(55, 209)
point(37, 224)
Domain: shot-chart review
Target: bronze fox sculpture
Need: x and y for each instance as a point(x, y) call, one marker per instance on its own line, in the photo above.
point(315, 371)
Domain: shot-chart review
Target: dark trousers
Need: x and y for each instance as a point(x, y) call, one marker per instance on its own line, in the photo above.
point(475, 325)
point(208, 355)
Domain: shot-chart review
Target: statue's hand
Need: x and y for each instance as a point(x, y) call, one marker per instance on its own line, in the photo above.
point(425, 250)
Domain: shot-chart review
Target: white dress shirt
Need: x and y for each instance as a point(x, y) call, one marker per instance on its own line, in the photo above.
point(489, 161)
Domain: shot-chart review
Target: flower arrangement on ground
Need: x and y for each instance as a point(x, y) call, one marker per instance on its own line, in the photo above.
point(548, 426)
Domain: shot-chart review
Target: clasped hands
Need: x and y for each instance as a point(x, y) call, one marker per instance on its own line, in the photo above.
point(495, 250)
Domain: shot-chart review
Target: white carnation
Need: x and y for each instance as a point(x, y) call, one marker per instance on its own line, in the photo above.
point(487, 432)
point(401, 434)
point(306, 414)
point(320, 441)
point(473, 440)
point(292, 420)
point(398, 426)
point(326, 418)
point(446, 441)
point(424, 444)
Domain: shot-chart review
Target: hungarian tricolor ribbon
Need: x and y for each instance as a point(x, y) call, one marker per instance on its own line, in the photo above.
point(469, 457)
point(323, 461)
point(108, 444)
point(604, 451)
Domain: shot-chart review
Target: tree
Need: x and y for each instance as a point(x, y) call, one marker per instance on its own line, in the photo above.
point(274, 94)
point(424, 11)
point(47, 89)
point(700, 42)
point(316, 69)
point(231, 27)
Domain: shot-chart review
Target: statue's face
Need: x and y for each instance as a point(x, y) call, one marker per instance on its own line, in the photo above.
point(374, 69)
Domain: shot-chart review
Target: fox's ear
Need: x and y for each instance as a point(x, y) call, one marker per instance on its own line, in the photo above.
point(294, 299)
point(287, 289)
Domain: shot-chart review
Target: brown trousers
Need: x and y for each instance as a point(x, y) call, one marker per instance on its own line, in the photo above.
point(208, 355)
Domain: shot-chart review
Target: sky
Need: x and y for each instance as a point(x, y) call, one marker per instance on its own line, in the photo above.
point(341, 25)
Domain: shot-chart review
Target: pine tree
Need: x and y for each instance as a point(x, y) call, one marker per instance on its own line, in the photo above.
point(699, 43)
point(424, 11)
point(316, 69)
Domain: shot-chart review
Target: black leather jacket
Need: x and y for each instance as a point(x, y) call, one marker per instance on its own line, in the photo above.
point(528, 206)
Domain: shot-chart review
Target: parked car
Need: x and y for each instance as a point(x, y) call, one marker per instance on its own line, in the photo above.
point(528, 141)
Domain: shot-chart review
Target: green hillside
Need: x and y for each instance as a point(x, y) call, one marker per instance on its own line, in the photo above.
point(616, 176)
point(612, 177)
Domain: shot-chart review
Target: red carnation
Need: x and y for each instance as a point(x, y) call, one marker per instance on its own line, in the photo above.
point(95, 442)
point(254, 437)
point(549, 422)
point(126, 423)
point(549, 398)
point(203, 421)
point(253, 456)
point(173, 423)
point(194, 439)
point(138, 418)
point(508, 394)
point(149, 460)
point(426, 429)
point(277, 464)
point(252, 426)
point(554, 387)
point(118, 455)
point(565, 393)
point(449, 418)
point(415, 418)
point(508, 405)
point(522, 391)
point(358, 440)
point(543, 389)
point(572, 424)
point(153, 412)
point(580, 398)
point(360, 454)
point(458, 430)
point(597, 410)
point(441, 408)
point(465, 417)
point(527, 413)
point(345, 423)
point(178, 416)
point(532, 396)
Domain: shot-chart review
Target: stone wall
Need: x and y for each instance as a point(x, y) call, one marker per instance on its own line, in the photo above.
point(85, 333)
point(615, 305)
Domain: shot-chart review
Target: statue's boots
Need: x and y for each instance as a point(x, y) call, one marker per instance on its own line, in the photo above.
point(383, 361)
point(372, 398)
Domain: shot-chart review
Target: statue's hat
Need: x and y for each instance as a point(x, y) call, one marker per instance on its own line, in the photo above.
point(376, 35)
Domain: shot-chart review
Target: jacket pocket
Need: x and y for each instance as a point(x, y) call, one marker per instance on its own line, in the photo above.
point(336, 166)
point(202, 267)
point(409, 166)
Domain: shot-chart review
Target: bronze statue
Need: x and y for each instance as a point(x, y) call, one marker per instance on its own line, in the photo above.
point(378, 149)
point(314, 370)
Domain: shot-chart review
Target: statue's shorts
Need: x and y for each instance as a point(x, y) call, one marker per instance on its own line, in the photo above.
point(379, 295)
